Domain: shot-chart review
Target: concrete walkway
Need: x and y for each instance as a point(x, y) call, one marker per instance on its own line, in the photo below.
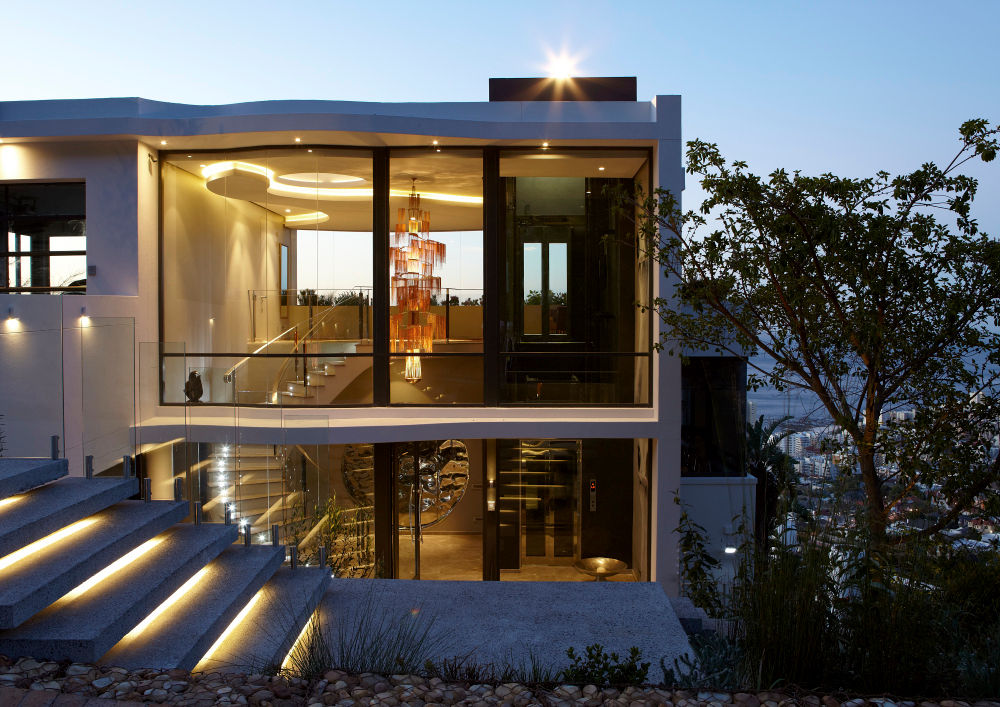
point(497, 620)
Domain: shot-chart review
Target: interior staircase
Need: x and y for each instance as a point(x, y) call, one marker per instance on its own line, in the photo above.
point(91, 573)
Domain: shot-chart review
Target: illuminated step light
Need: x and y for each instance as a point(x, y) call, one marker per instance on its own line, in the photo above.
point(10, 501)
point(167, 603)
point(229, 629)
point(40, 545)
point(298, 639)
point(120, 563)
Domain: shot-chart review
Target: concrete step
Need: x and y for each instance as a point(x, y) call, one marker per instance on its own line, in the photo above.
point(85, 623)
point(22, 474)
point(47, 509)
point(272, 625)
point(38, 574)
point(184, 631)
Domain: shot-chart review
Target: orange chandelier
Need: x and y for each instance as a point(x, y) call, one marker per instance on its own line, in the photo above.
point(413, 257)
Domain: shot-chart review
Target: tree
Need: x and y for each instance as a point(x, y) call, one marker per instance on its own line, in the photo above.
point(875, 295)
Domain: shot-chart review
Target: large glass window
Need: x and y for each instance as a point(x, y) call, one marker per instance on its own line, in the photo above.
point(267, 274)
point(436, 277)
point(571, 281)
point(44, 246)
point(713, 416)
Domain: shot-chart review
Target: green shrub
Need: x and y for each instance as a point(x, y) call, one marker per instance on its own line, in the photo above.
point(599, 668)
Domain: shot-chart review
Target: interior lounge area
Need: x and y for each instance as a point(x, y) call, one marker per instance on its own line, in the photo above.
point(505, 277)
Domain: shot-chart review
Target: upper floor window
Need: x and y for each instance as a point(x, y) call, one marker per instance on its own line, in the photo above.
point(44, 248)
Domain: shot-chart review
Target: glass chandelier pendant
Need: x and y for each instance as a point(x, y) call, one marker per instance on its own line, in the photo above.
point(413, 258)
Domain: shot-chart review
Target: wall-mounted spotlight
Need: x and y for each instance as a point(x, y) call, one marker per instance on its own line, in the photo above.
point(12, 323)
point(84, 319)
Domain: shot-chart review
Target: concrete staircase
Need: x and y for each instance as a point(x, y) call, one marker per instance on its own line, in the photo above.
point(88, 575)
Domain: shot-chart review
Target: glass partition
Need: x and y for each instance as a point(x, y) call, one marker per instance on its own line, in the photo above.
point(436, 277)
point(31, 388)
point(107, 400)
point(572, 284)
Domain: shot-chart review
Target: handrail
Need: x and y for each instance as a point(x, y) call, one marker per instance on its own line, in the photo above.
point(284, 366)
point(228, 375)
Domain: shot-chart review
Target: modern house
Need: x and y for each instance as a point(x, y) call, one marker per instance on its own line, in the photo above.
point(417, 334)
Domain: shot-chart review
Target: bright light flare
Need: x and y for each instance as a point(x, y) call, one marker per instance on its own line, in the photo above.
point(562, 66)
point(40, 545)
point(8, 501)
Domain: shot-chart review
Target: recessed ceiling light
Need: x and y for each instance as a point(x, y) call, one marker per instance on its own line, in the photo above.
point(308, 150)
point(435, 142)
point(545, 144)
point(189, 156)
point(600, 169)
point(202, 166)
point(298, 139)
point(288, 211)
point(163, 142)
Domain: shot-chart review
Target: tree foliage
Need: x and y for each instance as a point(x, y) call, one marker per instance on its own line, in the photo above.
point(875, 294)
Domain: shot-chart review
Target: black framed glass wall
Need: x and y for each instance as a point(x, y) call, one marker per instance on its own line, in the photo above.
point(44, 246)
point(571, 281)
point(321, 276)
point(436, 277)
point(267, 274)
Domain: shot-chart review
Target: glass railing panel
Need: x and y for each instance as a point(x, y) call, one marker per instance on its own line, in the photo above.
point(31, 388)
point(307, 315)
point(574, 379)
point(107, 392)
point(329, 379)
point(436, 379)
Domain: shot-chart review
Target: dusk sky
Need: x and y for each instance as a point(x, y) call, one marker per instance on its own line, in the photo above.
point(849, 87)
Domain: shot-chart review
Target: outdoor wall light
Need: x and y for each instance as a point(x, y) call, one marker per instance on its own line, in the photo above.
point(84, 319)
point(730, 550)
point(12, 323)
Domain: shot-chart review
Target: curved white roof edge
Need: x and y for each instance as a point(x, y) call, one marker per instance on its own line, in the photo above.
point(657, 119)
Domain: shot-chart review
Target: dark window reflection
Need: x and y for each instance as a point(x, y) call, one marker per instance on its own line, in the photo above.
point(713, 417)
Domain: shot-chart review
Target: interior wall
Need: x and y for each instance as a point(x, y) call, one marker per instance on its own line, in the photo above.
point(215, 250)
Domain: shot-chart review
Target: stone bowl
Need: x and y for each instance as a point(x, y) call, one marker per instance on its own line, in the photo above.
point(600, 568)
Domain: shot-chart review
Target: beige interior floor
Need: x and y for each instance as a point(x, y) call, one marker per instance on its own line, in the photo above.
point(460, 557)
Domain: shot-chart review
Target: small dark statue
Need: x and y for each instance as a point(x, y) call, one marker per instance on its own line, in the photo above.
point(193, 389)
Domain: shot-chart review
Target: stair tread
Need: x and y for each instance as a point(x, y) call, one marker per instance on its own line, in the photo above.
point(21, 474)
point(181, 635)
point(48, 508)
point(84, 627)
point(267, 633)
point(39, 578)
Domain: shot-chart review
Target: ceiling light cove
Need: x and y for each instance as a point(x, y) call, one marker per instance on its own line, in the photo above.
point(244, 173)
point(308, 219)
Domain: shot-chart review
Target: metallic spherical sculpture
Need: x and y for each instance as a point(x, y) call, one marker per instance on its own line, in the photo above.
point(430, 494)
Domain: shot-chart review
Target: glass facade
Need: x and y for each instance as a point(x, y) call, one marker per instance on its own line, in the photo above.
point(44, 244)
point(315, 276)
point(450, 509)
point(713, 416)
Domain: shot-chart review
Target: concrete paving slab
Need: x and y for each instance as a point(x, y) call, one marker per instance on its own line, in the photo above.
point(44, 574)
point(44, 510)
point(18, 474)
point(496, 621)
point(183, 633)
point(265, 636)
point(83, 628)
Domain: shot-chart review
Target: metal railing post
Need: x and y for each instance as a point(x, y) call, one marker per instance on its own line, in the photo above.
point(322, 556)
point(246, 535)
point(274, 535)
point(147, 489)
point(197, 514)
point(88, 466)
point(126, 466)
point(55, 446)
point(229, 515)
point(178, 489)
point(294, 552)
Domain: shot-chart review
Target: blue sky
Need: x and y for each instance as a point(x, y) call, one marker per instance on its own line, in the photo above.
point(849, 87)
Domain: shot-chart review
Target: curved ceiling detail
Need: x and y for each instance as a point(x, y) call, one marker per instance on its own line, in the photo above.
point(295, 196)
